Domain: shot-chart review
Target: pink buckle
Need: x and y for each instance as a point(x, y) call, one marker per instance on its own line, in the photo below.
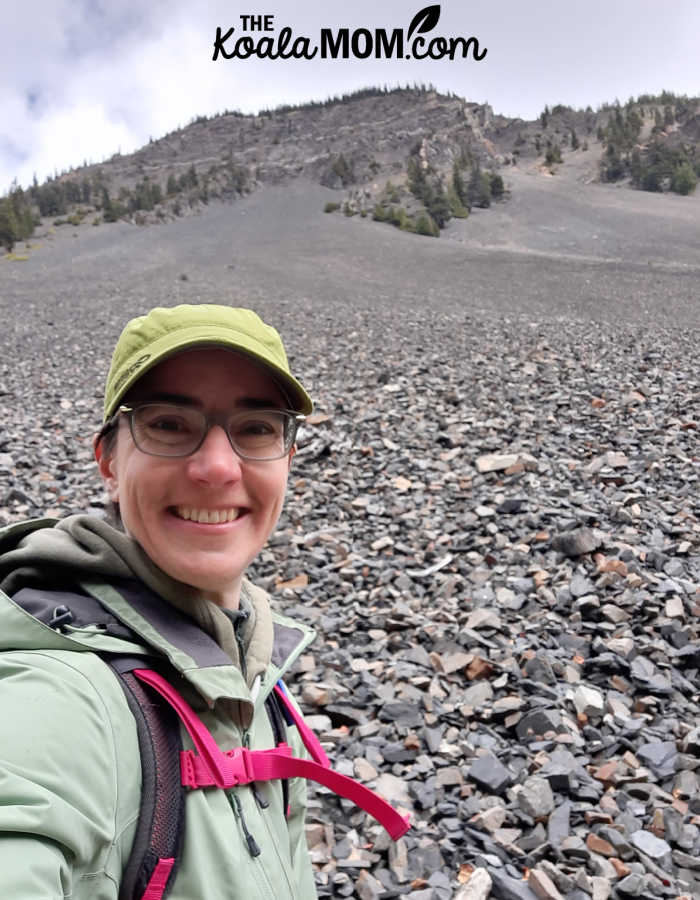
point(241, 766)
point(238, 766)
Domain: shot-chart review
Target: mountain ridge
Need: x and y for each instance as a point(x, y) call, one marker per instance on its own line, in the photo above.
point(394, 154)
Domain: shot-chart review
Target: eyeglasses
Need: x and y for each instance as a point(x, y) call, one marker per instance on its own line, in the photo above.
point(169, 429)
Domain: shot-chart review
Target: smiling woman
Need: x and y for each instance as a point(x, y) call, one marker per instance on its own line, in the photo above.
point(200, 419)
point(200, 484)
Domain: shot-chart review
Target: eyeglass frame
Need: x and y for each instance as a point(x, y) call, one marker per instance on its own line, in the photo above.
point(221, 420)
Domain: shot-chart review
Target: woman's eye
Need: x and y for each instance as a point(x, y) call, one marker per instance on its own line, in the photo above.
point(169, 424)
point(256, 428)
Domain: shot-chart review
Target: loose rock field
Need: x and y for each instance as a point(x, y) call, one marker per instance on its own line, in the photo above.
point(493, 522)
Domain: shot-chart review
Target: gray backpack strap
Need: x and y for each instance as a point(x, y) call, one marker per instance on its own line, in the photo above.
point(157, 848)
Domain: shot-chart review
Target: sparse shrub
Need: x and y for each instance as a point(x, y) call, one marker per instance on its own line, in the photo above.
point(652, 181)
point(553, 154)
point(331, 207)
point(111, 210)
point(438, 206)
point(479, 189)
point(497, 186)
point(612, 165)
point(399, 218)
point(459, 188)
point(457, 208)
point(684, 179)
point(426, 226)
point(391, 192)
point(343, 170)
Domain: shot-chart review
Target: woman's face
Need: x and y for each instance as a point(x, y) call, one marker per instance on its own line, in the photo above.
point(151, 490)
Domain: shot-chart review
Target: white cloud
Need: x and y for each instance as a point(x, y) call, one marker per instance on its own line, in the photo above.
point(84, 78)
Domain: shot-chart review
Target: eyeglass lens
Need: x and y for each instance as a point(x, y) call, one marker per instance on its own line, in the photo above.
point(166, 429)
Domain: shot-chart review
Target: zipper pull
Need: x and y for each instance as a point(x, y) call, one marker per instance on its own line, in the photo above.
point(259, 799)
point(253, 847)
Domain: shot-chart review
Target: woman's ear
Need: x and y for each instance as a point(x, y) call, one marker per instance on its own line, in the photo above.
point(107, 468)
point(291, 454)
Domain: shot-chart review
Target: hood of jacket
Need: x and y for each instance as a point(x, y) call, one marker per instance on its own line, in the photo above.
point(85, 554)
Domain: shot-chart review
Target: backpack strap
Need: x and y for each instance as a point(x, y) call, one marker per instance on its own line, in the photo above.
point(157, 847)
point(294, 717)
point(208, 766)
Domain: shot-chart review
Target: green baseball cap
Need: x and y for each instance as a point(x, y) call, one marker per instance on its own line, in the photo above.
point(163, 332)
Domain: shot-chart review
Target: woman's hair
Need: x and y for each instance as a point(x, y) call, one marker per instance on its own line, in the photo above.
point(109, 446)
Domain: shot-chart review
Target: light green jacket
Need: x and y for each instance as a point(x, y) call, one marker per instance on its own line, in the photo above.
point(70, 776)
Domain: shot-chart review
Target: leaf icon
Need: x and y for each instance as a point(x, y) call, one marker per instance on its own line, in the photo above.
point(424, 20)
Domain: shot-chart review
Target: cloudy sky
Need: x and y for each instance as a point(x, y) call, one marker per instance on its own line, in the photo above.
point(83, 79)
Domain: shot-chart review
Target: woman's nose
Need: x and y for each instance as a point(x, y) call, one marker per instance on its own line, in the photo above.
point(216, 462)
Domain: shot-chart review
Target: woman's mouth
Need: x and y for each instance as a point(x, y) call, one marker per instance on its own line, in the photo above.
point(207, 516)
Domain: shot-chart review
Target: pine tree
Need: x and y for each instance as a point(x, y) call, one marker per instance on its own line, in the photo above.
point(109, 213)
point(479, 189)
point(684, 180)
point(8, 224)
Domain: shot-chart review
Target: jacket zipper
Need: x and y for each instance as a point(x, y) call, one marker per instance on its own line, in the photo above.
point(237, 808)
point(240, 619)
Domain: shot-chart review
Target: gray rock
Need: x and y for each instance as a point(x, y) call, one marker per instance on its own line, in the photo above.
point(558, 825)
point(651, 845)
point(580, 586)
point(477, 888)
point(589, 701)
point(537, 723)
point(368, 888)
point(509, 888)
point(631, 886)
point(660, 756)
point(577, 542)
point(535, 798)
point(490, 774)
point(478, 694)
point(495, 462)
point(542, 885)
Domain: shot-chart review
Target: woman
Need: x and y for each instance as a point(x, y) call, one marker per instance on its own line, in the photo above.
point(200, 418)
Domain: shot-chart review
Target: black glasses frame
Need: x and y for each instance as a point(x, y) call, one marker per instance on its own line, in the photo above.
point(294, 419)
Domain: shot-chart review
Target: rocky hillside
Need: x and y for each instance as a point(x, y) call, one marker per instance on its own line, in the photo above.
point(493, 519)
point(397, 155)
point(375, 132)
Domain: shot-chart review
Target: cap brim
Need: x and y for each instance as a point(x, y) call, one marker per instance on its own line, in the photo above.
point(170, 344)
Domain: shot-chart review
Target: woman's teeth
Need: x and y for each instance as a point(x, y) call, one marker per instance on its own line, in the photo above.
point(206, 516)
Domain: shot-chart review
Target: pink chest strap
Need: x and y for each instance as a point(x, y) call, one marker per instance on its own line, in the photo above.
point(208, 766)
